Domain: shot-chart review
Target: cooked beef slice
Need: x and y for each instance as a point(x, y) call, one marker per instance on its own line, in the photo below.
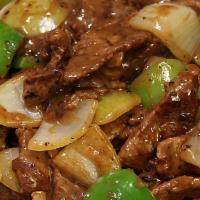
point(98, 46)
point(99, 81)
point(42, 81)
point(86, 14)
point(41, 84)
point(63, 188)
point(31, 168)
point(135, 61)
point(56, 43)
point(178, 189)
point(24, 135)
point(169, 163)
point(3, 135)
point(173, 116)
point(8, 194)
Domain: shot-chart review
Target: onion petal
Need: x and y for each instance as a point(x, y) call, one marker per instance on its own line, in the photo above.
point(13, 112)
point(8, 177)
point(34, 16)
point(89, 157)
point(191, 150)
point(177, 26)
point(74, 124)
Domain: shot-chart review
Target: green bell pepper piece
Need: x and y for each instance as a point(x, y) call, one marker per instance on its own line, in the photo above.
point(25, 62)
point(149, 85)
point(9, 43)
point(3, 3)
point(119, 185)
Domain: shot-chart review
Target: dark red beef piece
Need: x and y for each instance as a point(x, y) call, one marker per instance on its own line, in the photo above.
point(183, 187)
point(63, 188)
point(8, 194)
point(98, 46)
point(173, 116)
point(31, 168)
point(169, 162)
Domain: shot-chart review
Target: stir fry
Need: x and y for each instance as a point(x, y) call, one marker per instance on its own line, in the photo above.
point(99, 100)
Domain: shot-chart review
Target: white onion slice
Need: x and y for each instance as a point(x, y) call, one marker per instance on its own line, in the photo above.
point(74, 124)
point(89, 157)
point(177, 26)
point(34, 16)
point(13, 112)
point(191, 150)
point(8, 177)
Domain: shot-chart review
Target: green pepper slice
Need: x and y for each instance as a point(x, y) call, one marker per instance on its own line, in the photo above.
point(9, 43)
point(149, 85)
point(119, 185)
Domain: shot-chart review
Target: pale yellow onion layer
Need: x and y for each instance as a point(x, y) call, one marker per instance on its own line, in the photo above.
point(177, 26)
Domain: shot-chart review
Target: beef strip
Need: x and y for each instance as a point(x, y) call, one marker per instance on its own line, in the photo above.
point(3, 134)
point(135, 61)
point(86, 14)
point(98, 46)
point(99, 81)
point(51, 44)
point(59, 105)
point(41, 84)
point(43, 81)
point(178, 189)
point(174, 115)
point(170, 164)
point(31, 168)
point(7, 194)
point(65, 189)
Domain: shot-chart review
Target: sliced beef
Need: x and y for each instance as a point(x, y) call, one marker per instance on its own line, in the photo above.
point(3, 134)
point(41, 84)
point(135, 61)
point(59, 105)
point(173, 116)
point(86, 14)
point(170, 164)
point(141, 3)
point(65, 189)
point(116, 128)
point(99, 81)
point(24, 135)
point(31, 168)
point(7, 194)
point(180, 188)
point(51, 44)
point(43, 81)
point(98, 46)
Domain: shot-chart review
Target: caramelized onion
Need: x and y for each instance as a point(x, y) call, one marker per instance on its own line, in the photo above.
point(177, 26)
point(34, 16)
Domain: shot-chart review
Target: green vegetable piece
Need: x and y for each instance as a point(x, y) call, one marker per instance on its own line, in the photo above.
point(3, 3)
point(25, 62)
point(119, 185)
point(9, 43)
point(149, 85)
point(113, 105)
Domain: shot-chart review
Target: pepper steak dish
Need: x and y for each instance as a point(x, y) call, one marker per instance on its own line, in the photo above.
point(99, 100)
